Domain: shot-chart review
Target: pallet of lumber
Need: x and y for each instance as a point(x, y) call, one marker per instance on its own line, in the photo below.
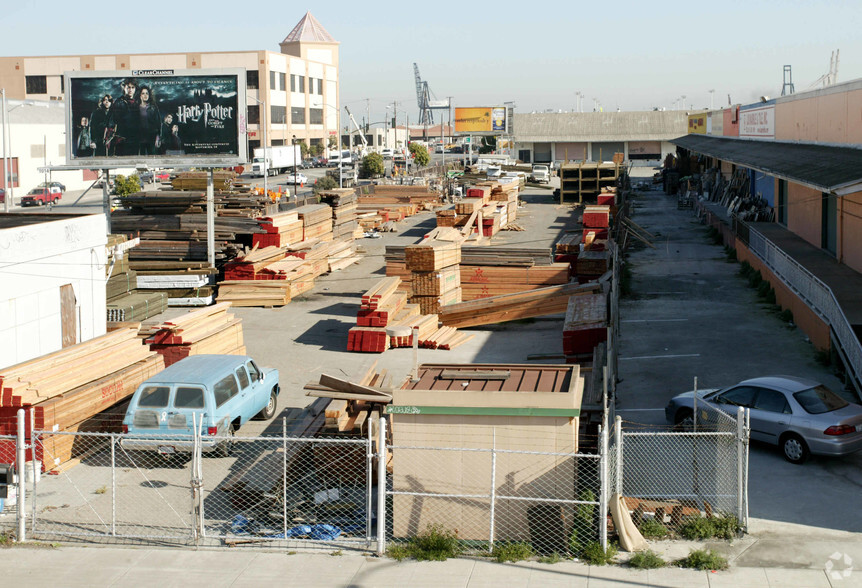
point(477, 255)
point(431, 255)
point(367, 339)
point(545, 275)
point(279, 222)
point(507, 307)
point(596, 216)
point(474, 291)
point(426, 324)
point(121, 283)
point(246, 267)
point(191, 296)
point(338, 196)
point(384, 311)
point(379, 292)
point(446, 338)
point(208, 330)
point(166, 281)
point(437, 282)
point(592, 264)
point(265, 293)
point(435, 304)
point(45, 377)
point(606, 199)
point(137, 305)
point(222, 180)
point(585, 325)
point(311, 214)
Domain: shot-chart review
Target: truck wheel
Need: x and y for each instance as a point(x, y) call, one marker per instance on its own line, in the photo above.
point(269, 410)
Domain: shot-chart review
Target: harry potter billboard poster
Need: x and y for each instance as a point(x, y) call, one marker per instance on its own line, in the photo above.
point(156, 117)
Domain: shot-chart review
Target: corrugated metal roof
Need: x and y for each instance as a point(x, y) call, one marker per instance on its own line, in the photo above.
point(308, 30)
point(541, 378)
point(600, 126)
point(829, 168)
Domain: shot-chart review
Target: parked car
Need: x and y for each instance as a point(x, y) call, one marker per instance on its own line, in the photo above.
point(801, 416)
point(540, 174)
point(2, 196)
point(307, 163)
point(54, 186)
point(222, 391)
point(320, 161)
point(300, 179)
point(41, 197)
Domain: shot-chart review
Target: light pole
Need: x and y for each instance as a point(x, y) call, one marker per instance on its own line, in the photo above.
point(683, 101)
point(265, 167)
point(7, 147)
point(293, 144)
point(711, 96)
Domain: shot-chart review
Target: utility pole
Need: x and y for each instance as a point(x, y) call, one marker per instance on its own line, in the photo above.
point(7, 196)
point(711, 96)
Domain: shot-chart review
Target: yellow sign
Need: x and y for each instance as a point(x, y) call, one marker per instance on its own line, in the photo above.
point(481, 120)
point(697, 123)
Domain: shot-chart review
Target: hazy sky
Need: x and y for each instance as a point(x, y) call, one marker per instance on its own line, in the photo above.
point(631, 55)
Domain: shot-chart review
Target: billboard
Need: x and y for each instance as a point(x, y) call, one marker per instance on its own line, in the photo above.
point(757, 121)
point(697, 123)
point(485, 120)
point(156, 118)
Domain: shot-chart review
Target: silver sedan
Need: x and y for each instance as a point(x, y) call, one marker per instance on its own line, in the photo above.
point(801, 416)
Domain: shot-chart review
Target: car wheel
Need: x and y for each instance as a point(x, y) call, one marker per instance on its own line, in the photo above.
point(225, 448)
point(795, 449)
point(684, 420)
point(269, 410)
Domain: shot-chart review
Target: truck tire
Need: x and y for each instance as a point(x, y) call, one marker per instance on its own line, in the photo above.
point(271, 406)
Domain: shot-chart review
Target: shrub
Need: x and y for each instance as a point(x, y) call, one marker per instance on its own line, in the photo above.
point(434, 544)
point(398, 552)
point(551, 559)
point(755, 279)
point(512, 552)
point(652, 529)
point(372, 165)
point(707, 528)
point(594, 555)
point(745, 269)
point(823, 357)
point(123, 186)
point(704, 560)
point(325, 183)
point(786, 315)
point(730, 253)
point(420, 154)
point(647, 560)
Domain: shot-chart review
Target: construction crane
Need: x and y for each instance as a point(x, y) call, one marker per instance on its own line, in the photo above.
point(423, 98)
point(831, 77)
point(358, 130)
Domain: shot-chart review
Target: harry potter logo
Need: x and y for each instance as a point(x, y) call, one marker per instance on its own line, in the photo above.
point(208, 111)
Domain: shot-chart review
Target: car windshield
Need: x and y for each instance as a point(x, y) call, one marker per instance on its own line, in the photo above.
point(819, 399)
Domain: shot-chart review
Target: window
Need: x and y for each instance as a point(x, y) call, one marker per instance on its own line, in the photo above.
point(253, 371)
point(281, 84)
point(36, 84)
point(301, 88)
point(297, 115)
point(242, 377)
point(277, 115)
point(189, 397)
point(252, 79)
point(154, 396)
point(315, 116)
point(254, 115)
point(225, 389)
point(742, 396)
point(320, 87)
point(292, 83)
point(772, 401)
point(819, 400)
point(782, 202)
point(272, 80)
point(62, 84)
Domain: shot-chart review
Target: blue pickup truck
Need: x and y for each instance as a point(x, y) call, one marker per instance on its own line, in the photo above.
point(221, 392)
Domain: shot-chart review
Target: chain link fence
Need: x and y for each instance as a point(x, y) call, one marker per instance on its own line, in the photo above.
point(699, 469)
point(489, 496)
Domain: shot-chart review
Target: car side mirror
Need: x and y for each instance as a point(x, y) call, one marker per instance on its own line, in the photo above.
point(262, 376)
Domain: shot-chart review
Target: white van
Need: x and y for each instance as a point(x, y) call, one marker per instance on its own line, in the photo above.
point(336, 158)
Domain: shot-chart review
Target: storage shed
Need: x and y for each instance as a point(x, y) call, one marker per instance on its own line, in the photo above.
point(474, 432)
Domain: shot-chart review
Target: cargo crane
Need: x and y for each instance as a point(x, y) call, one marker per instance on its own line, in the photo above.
point(426, 115)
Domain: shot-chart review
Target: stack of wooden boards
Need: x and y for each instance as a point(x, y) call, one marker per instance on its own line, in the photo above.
point(498, 201)
point(385, 319)
point(344, 206)
point(210, 330)
point(389, 203)
point(70, 391)
point(436, 277)
point(280, 230)
point(585, 325)
point(125, 302)
point(586, 250)
point(316, 221)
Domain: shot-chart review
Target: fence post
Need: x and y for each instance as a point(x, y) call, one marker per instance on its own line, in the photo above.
point(22, 482)
point(113, 487)
point(618, 451)
point(369, 485)
point(284, 477)
point(741, 469)
point(603, 492)
point(493, 486)
point(381, 486)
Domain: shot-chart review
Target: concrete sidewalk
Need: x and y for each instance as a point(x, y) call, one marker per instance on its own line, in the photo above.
point(129, 566)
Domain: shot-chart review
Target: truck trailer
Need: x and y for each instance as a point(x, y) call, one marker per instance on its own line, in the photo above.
point(279, 159)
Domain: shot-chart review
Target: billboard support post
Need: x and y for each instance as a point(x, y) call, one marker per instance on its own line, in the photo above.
point(211, 218)
point(106, 197)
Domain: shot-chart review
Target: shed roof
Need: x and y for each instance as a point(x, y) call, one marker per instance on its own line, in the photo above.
point(521, 378)
point(829, 168)
point(653, 125)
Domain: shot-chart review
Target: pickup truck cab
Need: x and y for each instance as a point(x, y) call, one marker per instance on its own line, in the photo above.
point(221, 392)
point(541, 174)
point(41, 197)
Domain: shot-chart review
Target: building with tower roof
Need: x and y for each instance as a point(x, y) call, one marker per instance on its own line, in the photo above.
point(297, 85)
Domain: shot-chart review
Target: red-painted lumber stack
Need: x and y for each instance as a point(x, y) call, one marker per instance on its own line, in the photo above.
point(248, 266)
point(208, 330)
point(585, 325)
point(282, 229)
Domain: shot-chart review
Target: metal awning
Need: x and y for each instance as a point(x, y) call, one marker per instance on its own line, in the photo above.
point(827, 168)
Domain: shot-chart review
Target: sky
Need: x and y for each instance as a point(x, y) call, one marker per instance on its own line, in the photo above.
point(626, 55)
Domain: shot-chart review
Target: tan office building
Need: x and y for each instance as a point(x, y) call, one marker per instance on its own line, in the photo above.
point(298, 86)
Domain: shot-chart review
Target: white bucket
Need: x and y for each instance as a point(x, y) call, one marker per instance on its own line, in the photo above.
point(30, 471)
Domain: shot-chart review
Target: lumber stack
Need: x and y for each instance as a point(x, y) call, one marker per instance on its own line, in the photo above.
point(507, 307)
point(585, 325)
point(505, 194)
point(479, 281)
point(436, 278)
point(222, 180)
point(342, 253)
point(125, 302)
point(592, 264)
point(211, 330)
point(280, 230)
point(265, 293)
point(316, 221)
point(315, 253)
point(249, 266)
point(137, 305)
point(344, 208)
point(268, 277)
point(70, 390)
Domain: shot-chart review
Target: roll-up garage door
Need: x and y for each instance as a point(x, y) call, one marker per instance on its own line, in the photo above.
point(542, 152)
point(605, 151)
point(644, 149)
point(570, 151)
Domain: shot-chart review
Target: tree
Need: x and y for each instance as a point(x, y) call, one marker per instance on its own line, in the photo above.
point(303, 149)
point(420, 154)
point(325, 183)
point(372, 165)
point(123, 186)
point(317, 149)
point(332, 142)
